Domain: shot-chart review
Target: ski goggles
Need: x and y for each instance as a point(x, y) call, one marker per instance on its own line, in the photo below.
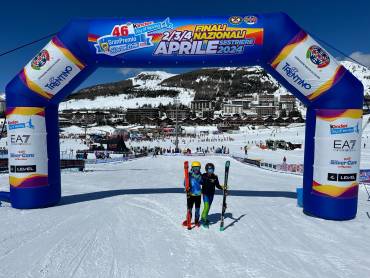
point(195, 169)
point(210, 170)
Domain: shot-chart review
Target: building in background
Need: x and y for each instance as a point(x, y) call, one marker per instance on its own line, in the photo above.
point(199, 106)
point(138, 115)
point(266, 100)
point(263, 110)
point(181, 114)
point(251, 109)
point(231, 109)
point(287, 103)
point(246, 102)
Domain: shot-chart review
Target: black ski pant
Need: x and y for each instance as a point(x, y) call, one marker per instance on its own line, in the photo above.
point(194, 200)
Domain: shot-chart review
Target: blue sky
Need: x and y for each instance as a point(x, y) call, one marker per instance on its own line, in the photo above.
point(344, 24)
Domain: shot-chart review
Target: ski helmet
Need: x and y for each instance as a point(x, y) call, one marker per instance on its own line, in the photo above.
point(195, 164)
point(210, 166)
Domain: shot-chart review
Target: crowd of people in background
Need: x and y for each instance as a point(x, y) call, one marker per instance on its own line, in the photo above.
point(165, 145)
point(172, 150)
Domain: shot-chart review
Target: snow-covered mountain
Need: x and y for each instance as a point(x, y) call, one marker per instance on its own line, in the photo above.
point(159, 87)
point(362, 73)
point(143, 89)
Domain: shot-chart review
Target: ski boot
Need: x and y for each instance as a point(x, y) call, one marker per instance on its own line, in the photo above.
point(185, 224)
point(205, 224)
point(197, 223)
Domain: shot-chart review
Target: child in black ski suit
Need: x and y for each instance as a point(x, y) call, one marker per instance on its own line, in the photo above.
point(209, 183)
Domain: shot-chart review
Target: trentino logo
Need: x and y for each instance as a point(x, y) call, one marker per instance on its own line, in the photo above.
point(56, 81)
point(293, 74)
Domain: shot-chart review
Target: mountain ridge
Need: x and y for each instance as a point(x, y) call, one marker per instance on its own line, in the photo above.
point(160, 87)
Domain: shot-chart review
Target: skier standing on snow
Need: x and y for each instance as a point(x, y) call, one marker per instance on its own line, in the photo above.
point(209, 184)
point(195, 192)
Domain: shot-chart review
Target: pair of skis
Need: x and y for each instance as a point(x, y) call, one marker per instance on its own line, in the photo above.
point(187, 190)
point(227, 167)
point(225, 189)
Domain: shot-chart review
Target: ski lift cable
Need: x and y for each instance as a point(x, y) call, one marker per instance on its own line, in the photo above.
point(26, 44)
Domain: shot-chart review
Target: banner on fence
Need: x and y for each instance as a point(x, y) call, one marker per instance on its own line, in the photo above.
point(365, 175)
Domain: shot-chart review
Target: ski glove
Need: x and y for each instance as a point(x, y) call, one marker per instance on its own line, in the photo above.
point(223, 188)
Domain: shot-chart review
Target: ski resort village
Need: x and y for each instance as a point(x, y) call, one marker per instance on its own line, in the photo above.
point(227, 146)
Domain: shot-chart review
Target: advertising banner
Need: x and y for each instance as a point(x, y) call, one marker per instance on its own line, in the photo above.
point(51, 69)
point(365, 176)
point(292, 168)
point(337, 152)
point(183, 38)
point(28, 161)
point(307, 66)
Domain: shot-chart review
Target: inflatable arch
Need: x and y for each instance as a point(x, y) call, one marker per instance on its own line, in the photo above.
point(333, 96)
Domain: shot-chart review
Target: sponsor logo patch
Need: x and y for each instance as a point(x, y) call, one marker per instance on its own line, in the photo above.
point(343, 129)
point(250, 19)
point(20, 140)
point(22, 155)
point(347, 162)
point(40, 59)
point(22, 168)
point(342, 177)
point(18, 125)
point(236, 20)
point(344, 145)
point(318, 56)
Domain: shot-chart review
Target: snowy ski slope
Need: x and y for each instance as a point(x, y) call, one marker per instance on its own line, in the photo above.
point(124, 220)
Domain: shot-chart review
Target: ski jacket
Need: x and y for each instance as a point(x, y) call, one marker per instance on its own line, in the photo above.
point(195, 184)
point(209, 183)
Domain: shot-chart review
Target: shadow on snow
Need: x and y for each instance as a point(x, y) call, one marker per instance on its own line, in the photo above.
point(92, 196)
point(216, 217)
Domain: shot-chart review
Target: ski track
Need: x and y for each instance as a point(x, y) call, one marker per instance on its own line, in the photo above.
point(140, 235)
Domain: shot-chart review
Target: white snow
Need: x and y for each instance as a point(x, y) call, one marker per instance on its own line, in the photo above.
point(152, 78)
point(123, 101)
point(145, 80)
point(199, 129)
point(202, 79)
point(124, 220)
point(90, 130)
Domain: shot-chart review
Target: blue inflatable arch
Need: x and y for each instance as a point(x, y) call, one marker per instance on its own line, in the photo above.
point(333, 96)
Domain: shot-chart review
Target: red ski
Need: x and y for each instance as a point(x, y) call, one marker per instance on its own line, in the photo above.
point(187, 189)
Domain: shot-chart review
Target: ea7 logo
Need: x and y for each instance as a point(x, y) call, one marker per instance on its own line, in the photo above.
point(344, 145)
point(20, 139)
